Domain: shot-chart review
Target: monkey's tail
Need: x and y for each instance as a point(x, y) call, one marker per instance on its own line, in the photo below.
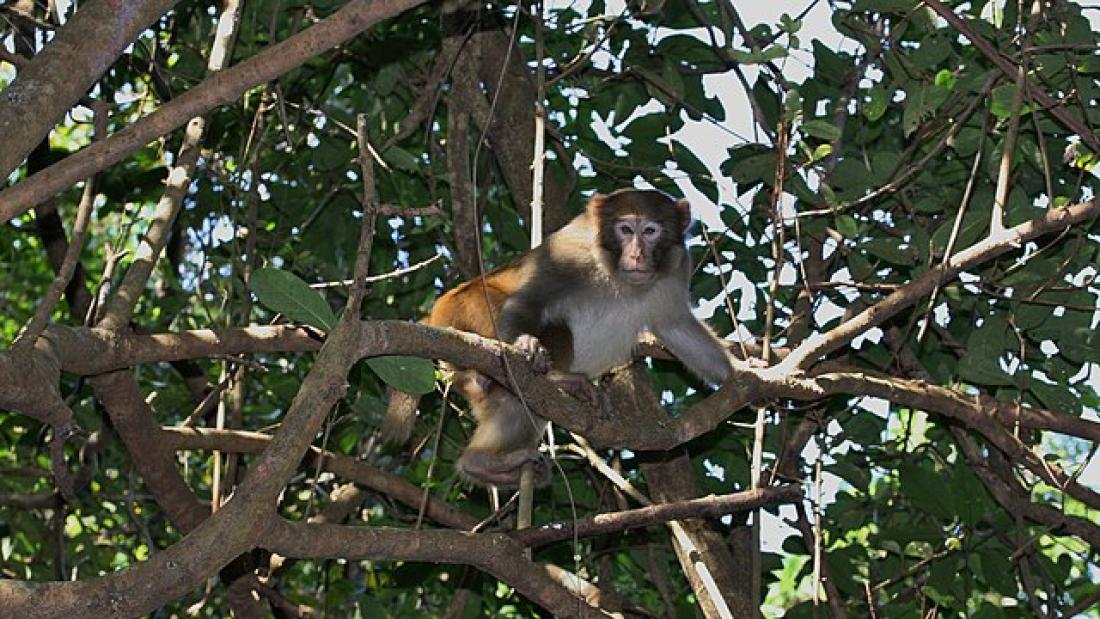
point(397, 425)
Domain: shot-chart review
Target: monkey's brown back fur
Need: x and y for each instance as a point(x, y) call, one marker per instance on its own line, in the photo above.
point(468, 306)
point(476, 306)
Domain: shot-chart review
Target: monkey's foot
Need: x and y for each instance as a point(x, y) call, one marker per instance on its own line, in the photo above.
point(503, 470)
point(535, 352)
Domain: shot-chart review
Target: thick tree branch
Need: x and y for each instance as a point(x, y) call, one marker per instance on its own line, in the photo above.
point(495, 553)
point(974, 411)
point(87, 352)
point(93, 351)
point(226, 86)
point(81, 51)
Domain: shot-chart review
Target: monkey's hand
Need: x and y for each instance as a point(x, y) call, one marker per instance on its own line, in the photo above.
point(535, 352)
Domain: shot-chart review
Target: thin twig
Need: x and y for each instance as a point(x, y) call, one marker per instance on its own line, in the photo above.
point(378, 278)
point(1010, 69)
point(72, 254)
point(370, 209)
point(1000, 196)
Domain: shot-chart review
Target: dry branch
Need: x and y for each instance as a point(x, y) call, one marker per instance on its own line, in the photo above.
point(613, 522)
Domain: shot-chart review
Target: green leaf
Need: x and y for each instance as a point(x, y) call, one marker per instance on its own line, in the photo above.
point(946, 79)
point(890, 250)
point(822, 151)
point(401, 159)
point(409, 374)
point(921, 102)
point(924, 487)
point(822, 129)
point(741, 56)
point(789, 25)
point(876, 107)
point(1081, 345)
point(848, 226)
point(697, 170)
point(896, 6)
point(288, 294)
point(748, 166)
point(774, 52)
point(932, 51)
point(980, 363)
point(768, 101)
point(1002, 99)
point(1056, 397)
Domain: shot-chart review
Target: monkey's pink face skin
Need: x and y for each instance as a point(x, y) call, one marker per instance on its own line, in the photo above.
point(637, 236)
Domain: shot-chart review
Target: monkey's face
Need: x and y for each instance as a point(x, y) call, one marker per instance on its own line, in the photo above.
point(639, 231)
point(638, 239)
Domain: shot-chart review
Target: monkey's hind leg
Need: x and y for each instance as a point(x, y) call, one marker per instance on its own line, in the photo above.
point(506, 438)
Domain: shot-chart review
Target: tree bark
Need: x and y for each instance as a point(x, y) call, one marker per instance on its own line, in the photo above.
point(55, 79)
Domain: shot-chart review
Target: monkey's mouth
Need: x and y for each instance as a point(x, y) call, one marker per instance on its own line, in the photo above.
point(638, 276)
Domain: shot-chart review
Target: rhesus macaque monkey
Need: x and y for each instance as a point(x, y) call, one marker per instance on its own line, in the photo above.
point(584, 296)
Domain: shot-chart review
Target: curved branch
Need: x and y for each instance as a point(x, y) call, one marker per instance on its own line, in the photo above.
point(974, 411)
point(1054, 220)
point(365, 475)
point(495, 553)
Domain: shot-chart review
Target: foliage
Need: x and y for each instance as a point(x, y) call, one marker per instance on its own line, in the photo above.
point(894, 151)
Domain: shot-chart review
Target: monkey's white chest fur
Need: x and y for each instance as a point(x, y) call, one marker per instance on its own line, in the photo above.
point(605, 325)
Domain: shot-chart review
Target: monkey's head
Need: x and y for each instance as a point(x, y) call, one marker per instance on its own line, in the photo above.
point(640, 233)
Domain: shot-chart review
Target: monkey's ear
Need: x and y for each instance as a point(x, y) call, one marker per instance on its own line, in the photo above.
point(683, 209)
point(595, 203)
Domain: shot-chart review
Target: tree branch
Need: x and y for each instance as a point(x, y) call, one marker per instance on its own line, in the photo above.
point(355, 17)
point(234, 529)
point(347, 467)
point(494, 553)
point(613, 522)
point(1010, 69)
point(1053, 221)
point(81, 51)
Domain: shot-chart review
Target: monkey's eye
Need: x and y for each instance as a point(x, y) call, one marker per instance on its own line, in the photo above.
point(651, 231)
point(625, 229)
